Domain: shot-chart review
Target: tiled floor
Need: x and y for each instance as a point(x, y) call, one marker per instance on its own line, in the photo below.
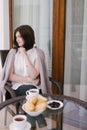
point(2, 120)
point(9, 120)
point(68, 127)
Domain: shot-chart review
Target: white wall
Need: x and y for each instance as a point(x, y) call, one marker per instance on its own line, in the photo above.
point(4, 24)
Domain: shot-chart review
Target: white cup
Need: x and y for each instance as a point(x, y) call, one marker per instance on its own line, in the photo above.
point(20, 121)
point(32, 92)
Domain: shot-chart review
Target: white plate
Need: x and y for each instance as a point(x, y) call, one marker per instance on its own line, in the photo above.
point(39, 96)
point(60, 104)
point(27, 127)
point(33, 113)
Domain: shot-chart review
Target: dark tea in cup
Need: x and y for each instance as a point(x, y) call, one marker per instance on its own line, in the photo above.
point(20, 121)
point(32, 92)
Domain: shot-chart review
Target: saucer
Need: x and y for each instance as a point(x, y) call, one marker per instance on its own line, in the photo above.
point(54, 104)
point(27, 126)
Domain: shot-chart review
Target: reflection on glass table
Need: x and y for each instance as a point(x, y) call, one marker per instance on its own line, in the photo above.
point(71, 116)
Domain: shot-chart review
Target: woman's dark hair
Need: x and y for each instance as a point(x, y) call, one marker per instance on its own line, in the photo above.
point(27, 33)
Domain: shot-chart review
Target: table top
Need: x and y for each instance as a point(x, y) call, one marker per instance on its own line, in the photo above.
point(72, 116)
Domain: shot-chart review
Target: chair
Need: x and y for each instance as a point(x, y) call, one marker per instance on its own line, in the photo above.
point(57, 84)
point(10, 92)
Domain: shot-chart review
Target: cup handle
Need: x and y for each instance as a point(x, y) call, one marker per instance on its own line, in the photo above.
point(27, 93)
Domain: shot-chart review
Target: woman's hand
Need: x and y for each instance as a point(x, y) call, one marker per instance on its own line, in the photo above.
point(23, 79)
point(32, 69)
point(22, 50)
point(36, 81)
point(33, 81)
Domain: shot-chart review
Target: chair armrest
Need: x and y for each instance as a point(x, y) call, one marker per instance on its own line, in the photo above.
point(58, 85)
point(9, 89)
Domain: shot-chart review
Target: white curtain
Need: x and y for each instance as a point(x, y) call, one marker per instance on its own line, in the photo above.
point(83, 86)
point(37, 14)
point(75, 75)
point(4, 24)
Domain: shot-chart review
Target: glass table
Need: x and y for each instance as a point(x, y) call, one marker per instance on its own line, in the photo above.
point(72, 116)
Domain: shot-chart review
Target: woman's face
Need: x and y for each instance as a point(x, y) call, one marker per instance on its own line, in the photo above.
point(19, 39)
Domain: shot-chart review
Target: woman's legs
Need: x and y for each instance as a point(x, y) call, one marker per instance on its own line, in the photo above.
point(22, 89)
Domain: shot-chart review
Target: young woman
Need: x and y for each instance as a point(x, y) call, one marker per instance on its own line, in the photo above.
point(28, 69)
